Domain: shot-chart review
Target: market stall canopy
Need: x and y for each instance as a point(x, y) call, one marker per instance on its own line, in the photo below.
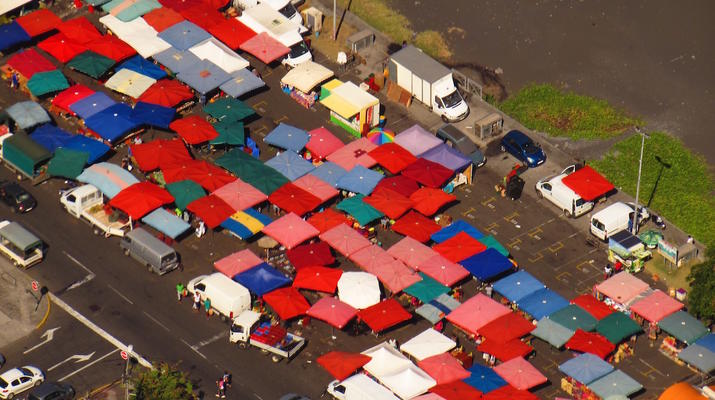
point(67, 163)
point(167, 93)
point(287, 137)
point(184, 35)
point(426, 289)
point(194, 129)
point(317, 187)
point(166, 222)
point(411, 252)
point(509, 392)
point(386, 360)
point(457, 390)
point(396, 276)
point(232, 32)
point(332, 311)
point(176, 60)
point(216, 52)
point(400, 184)
point(507, 327)
point(656, 306)
point(344, 239)
point(359, 289)
point(435, 310)
point(354, 153)
point(586, 368)
point(617, 327)
point(593, 306)
point(552, 333)
point(242, 81)
point(62, 48)
point(587, 183)
point(622, 287)
point(617, 383)
point(428, 173)
point(290, 230)
point(29, 62)
point(262, 279)
point(681, 391)
point(476, 312)
point(203, 76)
point(140, 198)
point(417, 140)
point(447, 157)
point(707, 341)
point(50, 137)
point(341, 364)
point(442, 270)
point(492, 243)
point(287, 302)
point(235, 263)
point(12, 35)
point(443, 368)
point(520, 374)
point(487, 265)
point(574, 317)
point(389, 202)
point(94, 148)
point(109, 178)
point(430, 200)
point(306, 76)
point(347, 100)
point(683, 327)
point(518, 285)
point(211, 209)
point(311, 254)
point(143, 67)
point(204, 13)
point(293, 199)
point(589, 342)
point(39, 21)
point(699, 357)
point(428, 344)
point(360, 180)
point(505, 351)
point(43, 83)
point(454, 228)
point(240, 195)
point(246, 223)
point(113, 122)
point(128, 82)
point(484, 378)
point(153, 114)
point(230, 133)
point(416, 226)
point(329, 172)
point(136, 33)
point(383, 315)
point(290, 165)
point(542, 303)
point(371, 258)
point(228, 109)
point(27, 114)
point(71, 95)
point(162, 18)
point(111, 47)
point(322, 142)
point(459, 247)
point(327, 219)
point(321, 279)
point(128, 10)
point(159, 153)
point(392, 156)
point(91, 64)
point(409, 382)
point(361, 211)
point(264, 47)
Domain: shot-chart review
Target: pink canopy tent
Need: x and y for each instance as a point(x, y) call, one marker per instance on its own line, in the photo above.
point(264, 47)
point(332, 311)
point(344, 239)
point(234, 264)
point(322, 143)
point(476, 312)
point(411, 252)
point(622, 287)
point(444, 368)
point(317, 187)
point(396, 276)
point(354, 153)
point(656, 306)
point(371, 258)
point(240, 195)
point(321, 279)
point(459, 247)
point(290, 230)
point(442, 270)
point(520, 373)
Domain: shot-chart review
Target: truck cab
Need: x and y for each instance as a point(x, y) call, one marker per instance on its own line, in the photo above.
point(299, 53)
point(450, 105)
point(242, 326)
point(86, 203)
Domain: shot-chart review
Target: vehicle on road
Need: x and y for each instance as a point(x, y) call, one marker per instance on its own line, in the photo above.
point(359, 387)
point(86, 203)
point(16, 197)
point(27, 159)
point(18, 244)
point(451, 135)
point(523, 148)
point(247, 328)
point(228, 297)
point(17, 380)
point(52, 391)
point(293, 396)
point(157, 256)
point(553, 189)
point(614, 218)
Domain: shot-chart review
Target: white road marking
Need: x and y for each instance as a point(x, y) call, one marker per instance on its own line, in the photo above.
point(88, 365)
point(209, 341)
point(76, 261)
point(121, 295)
point(194, 349)
point(156, 321)
point(79, 357)
point(48, 335)
point(89, 277)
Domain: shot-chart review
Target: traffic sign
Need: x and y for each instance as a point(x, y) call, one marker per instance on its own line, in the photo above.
point(35, 285)
point(124, 355)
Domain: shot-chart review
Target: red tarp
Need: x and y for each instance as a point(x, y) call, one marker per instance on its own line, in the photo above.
point(264, 47)
point(159, 153)
point(291, 198)
point(505, 351)
point(588, 183)
point(393, 157)
point(327, 220)
point(509, 392)
point(194, 129)
point(322, 143)
point(345, 239)
point(179, 5)
point(202, 15)
point(597, 309)
point(71, 95)
point(411, 252)
point(332, 311)
point(162, 18)
point(61, 47)
point(457, 390)
point(389, 202)
point(287, 302)
point(341, 365)
point(399, 183)
point(416, 226)
point(211, 209)
point(79, 29)
point(428, 173)
point(444, 368)
point(656, 306)
point(167, 93)
point(29, 62)
point(459, 247)
point(208, 175)
point(111, 47)
point(590, 342)
point(429, 200)
point(507, 327)
point(141, 198)
point(216, 4)
point(38, 22)
point(311, 254)
point(383, 315)
point(231, 32)
point(321, 279)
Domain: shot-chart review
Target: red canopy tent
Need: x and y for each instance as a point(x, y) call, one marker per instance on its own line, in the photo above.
point(593, 306)
point(264, 47)
point(656, 306)
point(400, 184)
point(231, 32)
point(38, 22)
point(179, 5)
point(321, 279)
point(345, 239)
point(111, 47)
point(416, 226)
point(216, 4)
point(341, 365)
point(29, 62)
point(206, 174)
point(507, 327)
point(354, 153)
point(211, 209)
point(588, 183)
point(428, 173)
point(61, 47)
point(392, 156)
point(520, 374)
point(162, 18)
point(332, 311)
point(327, 219)
point(371, 258)
point(240, 195)
point(590, 342)
point(202, 15)
point(290, 230)
point(429, 200)
point(459, 247)
point(383, 315)
point(322, 143)
point(71, 95)
point(389, 202)
point(287, 302)
point(457, 390)
point(411, 252)
point(444, 368)
point(396, 276)
point(79, 29)
point(505, 351)
point(167, 93)
point(291, 198)
point(442, 270)
point(159, 153)
point(141, 198)
point(193, 129)
point(311, 254)
point(509, 392)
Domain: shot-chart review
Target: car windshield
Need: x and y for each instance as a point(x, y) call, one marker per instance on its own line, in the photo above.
point(530, 147)
point(452, 99)
point(3, 384)
point(288, 11)
point(298, 50)
point(25, 371)
point(23, 197)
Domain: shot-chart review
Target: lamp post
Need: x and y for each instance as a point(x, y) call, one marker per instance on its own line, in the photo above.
point(638, 184)
point(335, 36)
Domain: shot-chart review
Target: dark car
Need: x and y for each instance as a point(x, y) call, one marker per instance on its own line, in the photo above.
point(523, 148)
point(52, 391)
point(455, 138)
point(293, 396)
point(16, 197)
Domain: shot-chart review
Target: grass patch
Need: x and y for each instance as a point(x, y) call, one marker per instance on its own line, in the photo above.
point(684, 191)
point(433, 43)
point(547, 109)
point(671, 277)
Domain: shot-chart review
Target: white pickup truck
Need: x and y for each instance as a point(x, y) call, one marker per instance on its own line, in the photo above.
point(86, 203)
point(246, 329)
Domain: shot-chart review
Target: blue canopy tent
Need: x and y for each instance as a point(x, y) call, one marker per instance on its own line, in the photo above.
point(143, 66)
point(438, 308)
point(290, 165)
point(484, 379)
point(707, 341)
point(699, 357)
point(553, 333)
point(487, 264)
point(11, 35)
point(113, 122)
point(105, 176)
point(262, 279)
point(288, 137)
point(360, 180)
point(542, 303)
point(184, 35)
point(27, 114)
point(454, 228)
point(91, 104)
point(242, 81)
point(448, 157)
point(586, 368)
point(617, 383)
point(152, 114)
point(176, 60)
point(50, 137)
point(93, 147)
point(517, 285)
point(329, 172)
point(166, 222)
point(244, 224)
point(203, 76)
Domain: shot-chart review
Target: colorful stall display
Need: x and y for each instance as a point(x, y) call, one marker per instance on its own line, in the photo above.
point(352, 108)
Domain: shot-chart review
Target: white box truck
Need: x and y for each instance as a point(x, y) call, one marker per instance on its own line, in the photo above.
point(285, 7)
point(429, 82)
point(86, 203)
point(553, 189)
point(228, 298)
point(359, 387)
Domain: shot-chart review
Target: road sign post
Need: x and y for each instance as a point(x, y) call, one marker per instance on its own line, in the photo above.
point(43, 292)
point(35, 286)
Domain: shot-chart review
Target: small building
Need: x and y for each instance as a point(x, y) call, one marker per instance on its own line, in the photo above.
point(352, 108)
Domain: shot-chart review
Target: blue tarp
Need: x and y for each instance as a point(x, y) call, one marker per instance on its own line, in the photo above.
point(290, 165)
point(707, 341)
point(288, 137)
point(11, 35)
point(27, 114)
point(360, 180)
point(184, 35)
point(448, 157)
point(454, 228)
point(517, 285)
point(586, 368)
point(152, 114)
point(95, 148)
point(91, 105)
point(103, 182)
point(262, 279)
point(176, 60)
point(166, 222)
point(699, 357)
point(542, 303)
point(487, 264)
point(329, 172)
point(242, 231)
point(203, 76)
point(50, 137)
point(142, 66)
point(484, 379)
point(242, 82)
point(113, 122)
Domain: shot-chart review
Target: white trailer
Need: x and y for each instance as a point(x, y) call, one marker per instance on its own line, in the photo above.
point(86, 203)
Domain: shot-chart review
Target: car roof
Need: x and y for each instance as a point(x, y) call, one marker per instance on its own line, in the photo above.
point(11, 374)
point(47, 388)
point(519, 136)
point(462, 142)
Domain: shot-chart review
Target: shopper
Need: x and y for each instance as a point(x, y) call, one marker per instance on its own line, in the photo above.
point(180, 291)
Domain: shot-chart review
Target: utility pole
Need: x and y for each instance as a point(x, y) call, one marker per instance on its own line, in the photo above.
point(335, 34)
point(638, 184)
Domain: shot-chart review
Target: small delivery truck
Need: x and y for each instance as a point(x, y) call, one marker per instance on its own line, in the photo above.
point(429, 82)
point(23, 156)
point(86, 203)
point(21, 246)
point(228, 297)
point(248, 328)
point(359, 387)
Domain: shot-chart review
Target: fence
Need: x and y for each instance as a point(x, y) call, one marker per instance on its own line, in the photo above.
point(469, 88)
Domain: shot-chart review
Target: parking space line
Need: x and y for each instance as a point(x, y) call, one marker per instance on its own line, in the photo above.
point(261, 106)
point(511, 217)
point(281, 119)
point(120, 294)
point(209, 341)
point(469, 211)
point(261, 130)
point(513, 243)
point(650, 370)
point(538, 257)
point(491, 227)
point(156, 321)
point(556, 247)
point(488, 202)
point(560, 276)
point(534, 232)
point(195, 350)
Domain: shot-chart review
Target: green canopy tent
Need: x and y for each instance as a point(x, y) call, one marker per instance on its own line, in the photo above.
point(251, 170)
point(358, 209)
point(91, 63)
point(492, 243)
point(43, 83)
point(616, 327)
point(265, 179)
point(229, 133)
point(228, 109)
point(427, 289)
point(574, 317)
point(67, 163)
point(549, 331)
point(683, 327)
point(185, 192)
point(651, 238)
point(237, 161)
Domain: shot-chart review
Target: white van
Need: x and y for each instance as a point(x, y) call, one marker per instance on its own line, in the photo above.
point(228, 298)
point(610, 220)
point(554, 190)
point(359, 387)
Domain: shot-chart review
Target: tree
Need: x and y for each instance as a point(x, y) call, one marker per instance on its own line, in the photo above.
point(164, 382)
point(701, 300)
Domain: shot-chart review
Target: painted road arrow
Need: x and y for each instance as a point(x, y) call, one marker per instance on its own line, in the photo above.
point(79, 357)
point(48, 335)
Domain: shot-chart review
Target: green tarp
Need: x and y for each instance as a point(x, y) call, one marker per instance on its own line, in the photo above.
point(574, 317)
point(251, 170)
point(228, 109)
point(552, 333)
point(427, 289)
point(683, 327)
point(91, 63)
point(617, 327)
point(67, 163)
point(43, 83)
point(358, 209)
point(185, 192)
point(19, 236)
point(23, 153)
point(229, 132)
point(491, 242)
point(236, 161)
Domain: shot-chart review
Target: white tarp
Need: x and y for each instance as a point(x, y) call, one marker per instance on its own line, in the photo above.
point(129, 82)
point(386, 360)
point(427, 344)
point(137, 33)
point(219, 54)
point(9, 5)
point(359, 289)
point(263, 18)
point(306, 75)
point(409, 382)
point(362, 385)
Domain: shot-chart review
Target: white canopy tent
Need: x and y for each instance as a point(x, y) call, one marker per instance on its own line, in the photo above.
point(409, 382)
point(136, 33)
point(359, 289)
point(9, 5)
point(427, 344)
point(219, 54)
point(129, 82)
point(306, 76)
point(386, 360)
point(362, 384)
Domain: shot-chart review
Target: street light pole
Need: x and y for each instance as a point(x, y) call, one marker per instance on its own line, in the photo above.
point(335, 36)
point(638, 184)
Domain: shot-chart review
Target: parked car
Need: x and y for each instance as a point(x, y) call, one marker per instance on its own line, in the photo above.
point(52, 391)
point(17, 380)
point(523, 148)
point(16, 197)
point(455, 138)
point(2, 360)
point(293, 396)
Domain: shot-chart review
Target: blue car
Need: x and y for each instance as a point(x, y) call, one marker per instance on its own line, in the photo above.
point(523, 148)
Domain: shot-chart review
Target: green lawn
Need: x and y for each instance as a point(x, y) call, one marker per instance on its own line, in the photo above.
point(684, 191)
point(547, 109)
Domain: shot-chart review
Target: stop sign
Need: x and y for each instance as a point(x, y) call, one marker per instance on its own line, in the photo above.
point(124, 355)
point(35, 285)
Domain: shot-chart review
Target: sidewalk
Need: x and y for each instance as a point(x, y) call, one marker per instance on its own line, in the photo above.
point(18, 316)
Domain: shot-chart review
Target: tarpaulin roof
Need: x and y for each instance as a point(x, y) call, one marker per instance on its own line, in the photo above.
point(329, 172)
point(447, 157)
point(39, 21)
point(67, 163)
point(386, 360)
point(228, 109)
point(371, 258)
point(91, 64)
point(354, 153)
point(332, 311)
point(401, 184)
point(457, 390)
point(162, 18)
point(231, 32)
point(417, 140)
point(683, 327)
point(520, 373)
point(287, 302)
point(203, 76)
point(699, 357)
point(383, 315)
point(306, 76)
point(142, 66)
point(184, 35)
point(167, 93)
point(113, 122)
point(11, 35)
point(518, 285)
point(617, 383)
point(316, 186)
point(111, 47)
point(251, 170)
point(242, 81)
point(204, 13)
point(361, 211)
point(94, 148)
point(327, 219)
point(587, 183)
point(436, 309)
point(211, 209)
point(552, 333)
point(505, 351)
point(92, 104)
point(509, 392)
point(707, 341)
point(290, 165)
point(140, 198)
point(443, 368)
point(416, 225)
point(590, 342)
point(617, 327)
point(487, 265)
point(61, 47)
point(344, 239)
point(429, 200)
point(359, 289)
point(507, 327)
point(153, 114)
point(411, 252)
point(235, 263)
point(50, 137)
point(322, 279)
point(409, 382)
point(459, 247)
point(454, 228)
point(656, 306)
point(131, 83)
point(176, 60)
point(159, 153)
point(291, 198)
point(27, 114)
point(396, 276)
point(427, 172)
point(128, 10)
point(109, 178)
point(492, 243)
point(476, 312)
point(230, 133)
point(586, 368)
point(287, 137)
point(484, 378)
point(442, 270)
point(593, 306)
point(389, 202)
point(392, 156)
point(290, 230)
point(622, 287)
point(542, 303)
point(219, 54)
point(246, 223)
point(43, 83)
point(322, 142)
point(240, 195)
point(71, 95)
point(185, 192)
point(340, 364)
point(427, 289)
point(428, 344)
point(206, 174)
point(262, 279)
point(166, 222)
point(194, 129)
point(29, 62)
point(574, 317)
point(264, 47)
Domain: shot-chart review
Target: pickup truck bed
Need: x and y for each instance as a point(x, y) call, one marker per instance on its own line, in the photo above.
point(99, 217)
point(276, 340)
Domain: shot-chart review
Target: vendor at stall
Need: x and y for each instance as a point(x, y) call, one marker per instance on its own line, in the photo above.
point(302, 82)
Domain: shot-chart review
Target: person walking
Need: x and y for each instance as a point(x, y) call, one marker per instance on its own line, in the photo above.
point(607, 271)
point(180, 291)
point(226, 379)
point(207, 307)
point(221, 389)
point(197, 300)
point(488, 290)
